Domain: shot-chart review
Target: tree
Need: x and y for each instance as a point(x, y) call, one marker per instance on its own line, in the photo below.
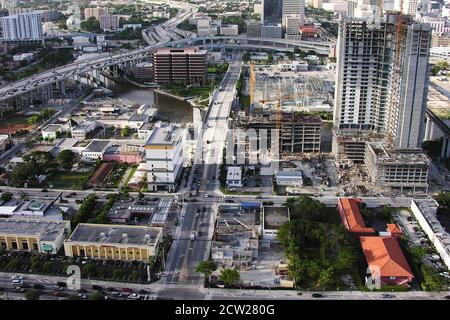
point(33, 120)
point(66, 158)
point(206, 268)
point(90, 269)
point(326, 278)
point(443, 198)
point(135, 275)
point(33, 294)
point(91, 25)
point(48, 266)
point(35, 265)
point(125, 132)
point(230, 276)
point(6, 196)
point(118, 273)
point(432, 281)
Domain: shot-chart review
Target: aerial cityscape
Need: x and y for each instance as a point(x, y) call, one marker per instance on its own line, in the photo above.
point(225, 150)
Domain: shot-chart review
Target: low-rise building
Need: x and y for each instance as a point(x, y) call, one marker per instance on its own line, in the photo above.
point(43, 236)
point(273, 217)
point(289, 178)
point(52, 131)
point(30, 208)
point(95, 150)
point(386, 261)
point(118, 242)
point(425, 212)
point(234, 177)
point(28, 57)
point(80, 131)
point(5, 142)
point(351, 216)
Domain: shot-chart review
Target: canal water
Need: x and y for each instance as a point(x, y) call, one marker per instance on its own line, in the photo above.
point(169, 109)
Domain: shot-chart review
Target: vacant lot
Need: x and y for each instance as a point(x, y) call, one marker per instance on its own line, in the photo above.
point(69, 180)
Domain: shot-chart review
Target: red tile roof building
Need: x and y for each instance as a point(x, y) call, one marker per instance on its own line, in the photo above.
point(351, 216)
point(385, 258)
point(394, 230)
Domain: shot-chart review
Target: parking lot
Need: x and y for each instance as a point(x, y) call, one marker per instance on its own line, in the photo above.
point(116, 270)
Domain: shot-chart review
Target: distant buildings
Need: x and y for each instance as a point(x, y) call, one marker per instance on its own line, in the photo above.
point(187, 64)
point(229, 30)
point(296, 8)
point(272, 13)
point(118, 242)
point(22, 27)
point(203, 26)
point(95, 13)
point(164, 157)
point(272, 31)
point(109, 22)
point(254, 29)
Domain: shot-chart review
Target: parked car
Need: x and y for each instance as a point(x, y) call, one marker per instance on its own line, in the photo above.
point(95, 287)
point(387, 296)
point(17, 282)
point(317, 295)
point(127, 290)
point(38, 286)
point(134, 296)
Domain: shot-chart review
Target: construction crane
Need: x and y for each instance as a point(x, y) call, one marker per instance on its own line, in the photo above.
point(251, 85)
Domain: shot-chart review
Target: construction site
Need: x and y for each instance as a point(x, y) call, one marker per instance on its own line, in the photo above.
point(376, 129)
point(289, 102)
point(235, 241)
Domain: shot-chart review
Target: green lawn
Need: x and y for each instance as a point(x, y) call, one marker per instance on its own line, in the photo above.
point(70, 180)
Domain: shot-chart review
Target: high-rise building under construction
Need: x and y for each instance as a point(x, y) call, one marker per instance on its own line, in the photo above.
point(381, 85)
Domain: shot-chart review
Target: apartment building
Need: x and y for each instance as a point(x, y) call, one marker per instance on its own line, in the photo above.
point(118, 242)
point(294, 7)
point(164, 157)
point(22, 27)
point(33, 235)
point(204, 26)
point(272, 13)
point(291, 24)
point(186, 64)
point(95, 12)
point(109, 22)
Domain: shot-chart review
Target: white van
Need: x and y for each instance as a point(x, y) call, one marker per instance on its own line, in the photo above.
point(192, 235)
